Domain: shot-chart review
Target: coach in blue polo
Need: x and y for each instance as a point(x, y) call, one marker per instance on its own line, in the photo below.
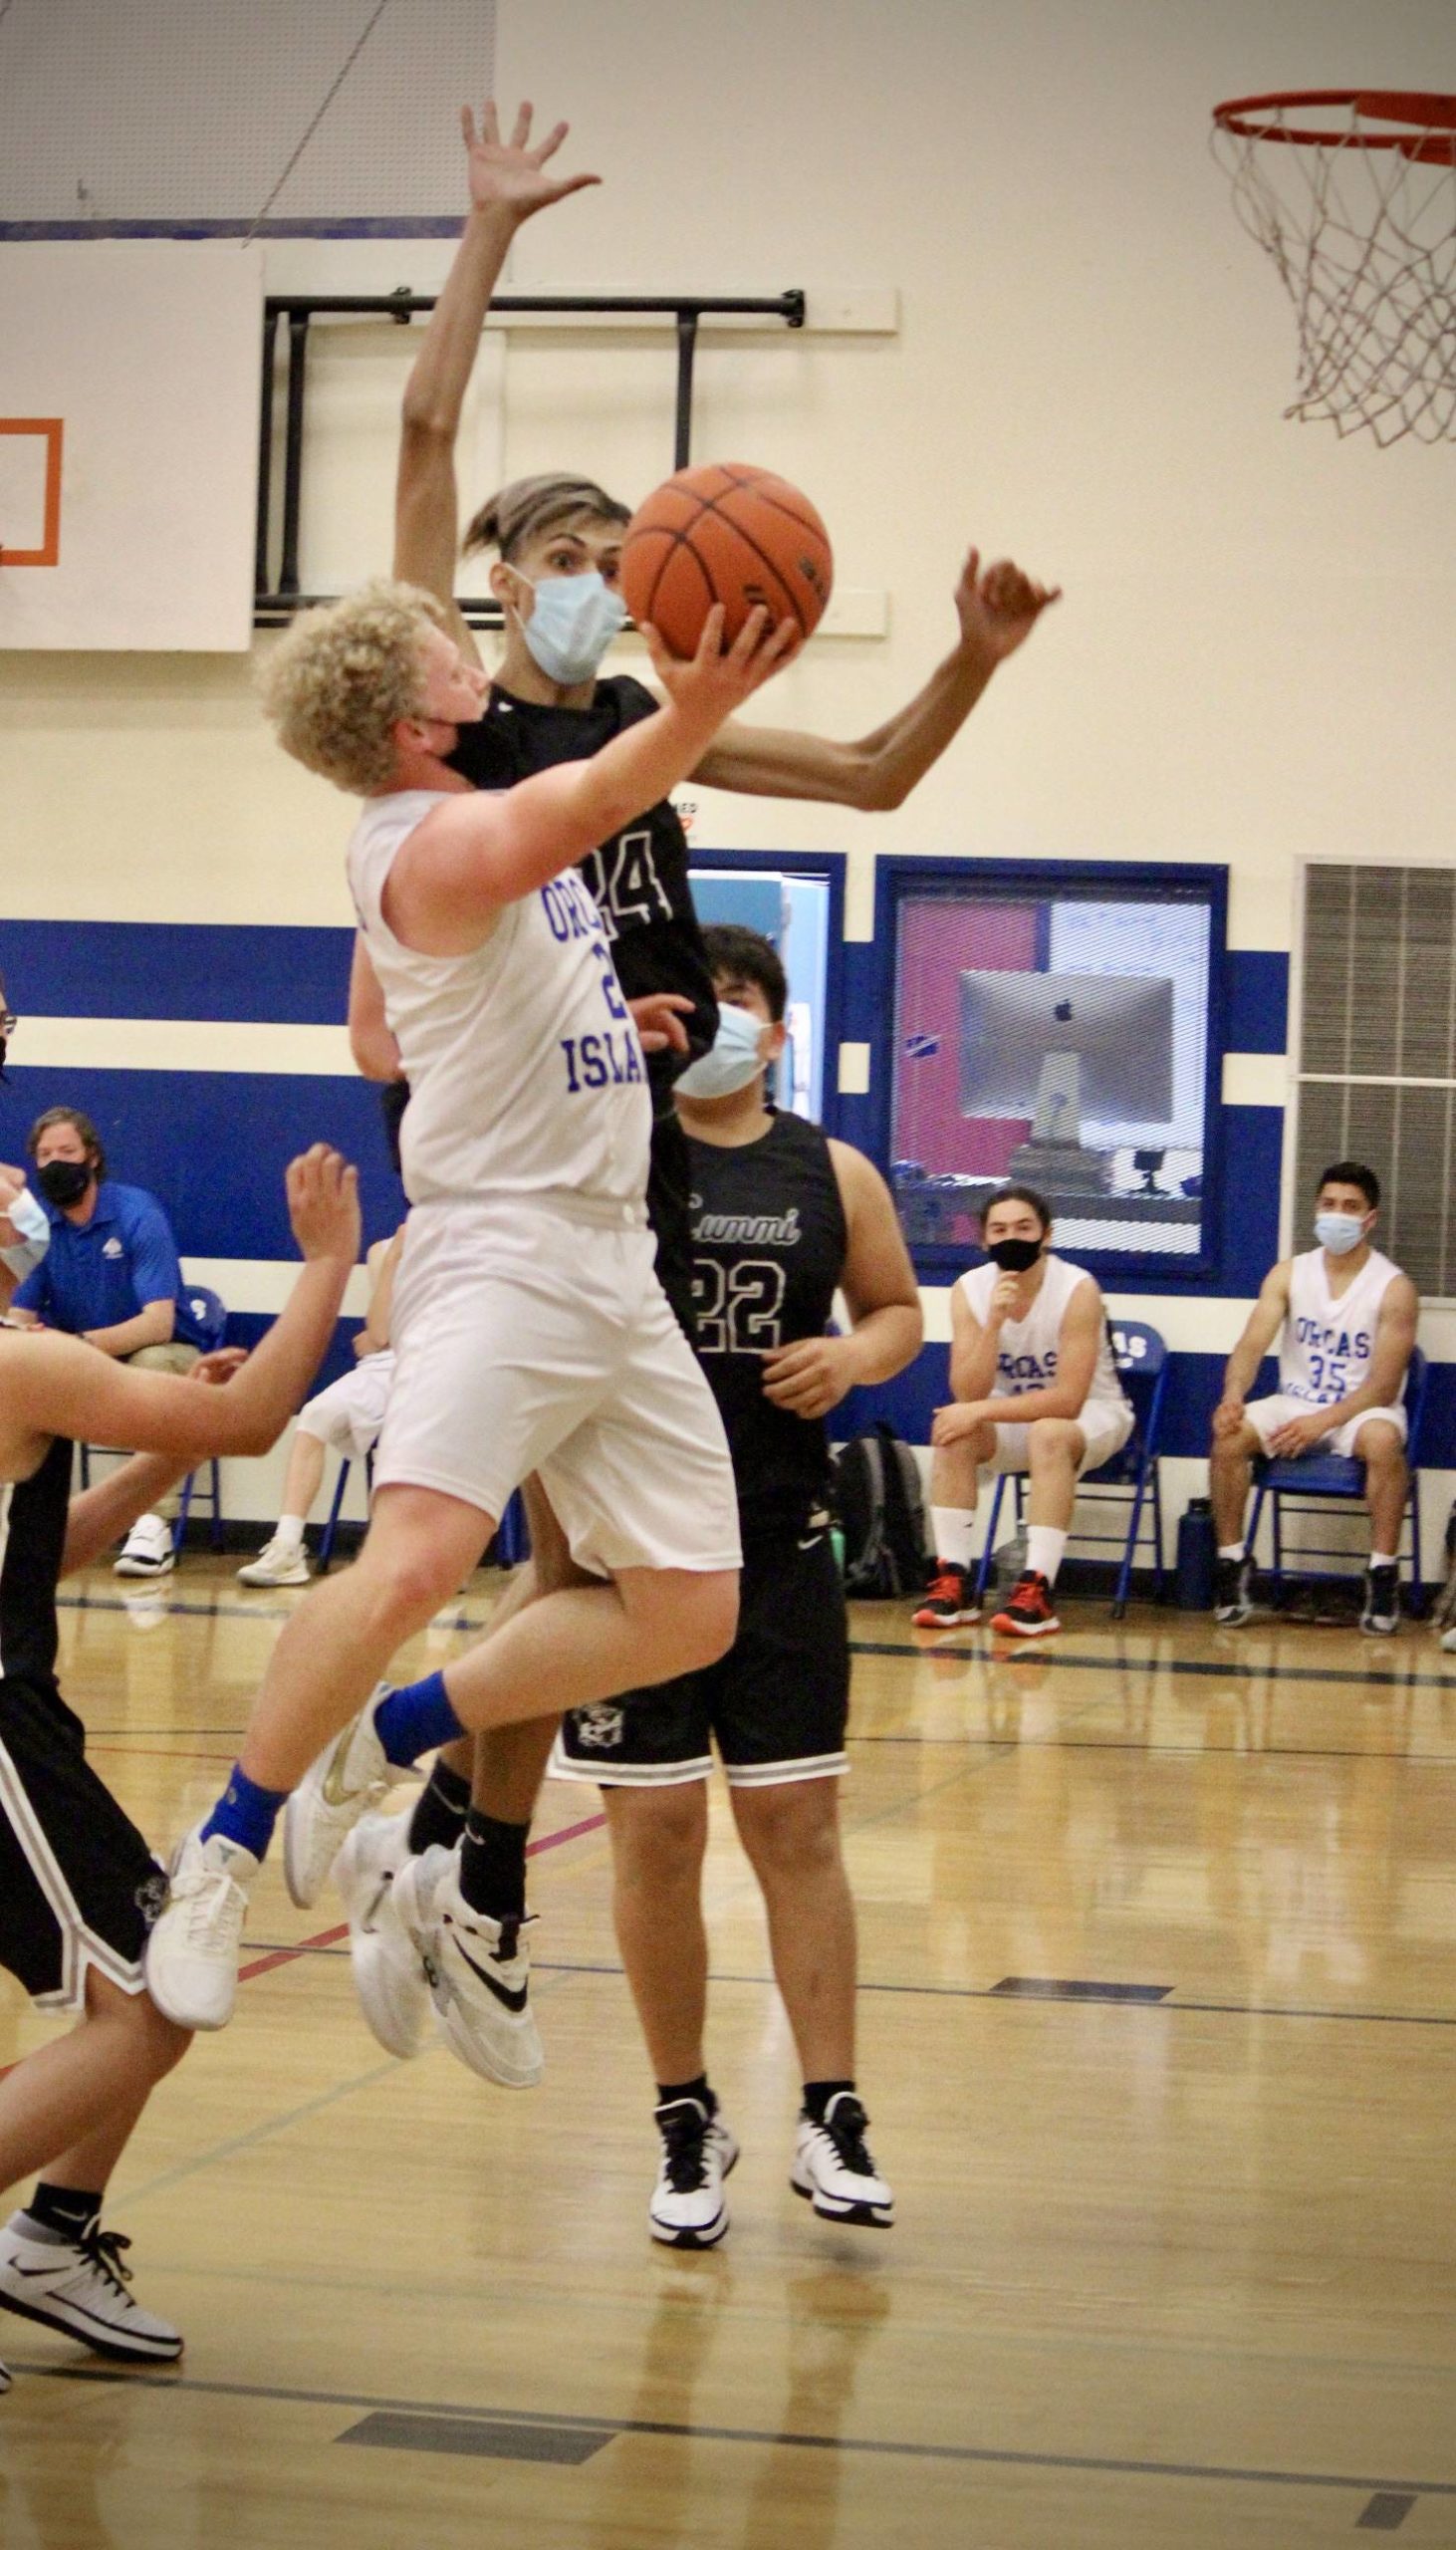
point(110, 1275)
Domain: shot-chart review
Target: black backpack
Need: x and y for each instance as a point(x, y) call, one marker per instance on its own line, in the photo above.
point(879, 1508)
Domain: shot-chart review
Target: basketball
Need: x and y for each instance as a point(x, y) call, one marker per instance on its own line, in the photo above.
point(725, 531)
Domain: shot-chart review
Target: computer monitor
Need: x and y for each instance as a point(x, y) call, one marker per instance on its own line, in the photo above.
point(1119, 1028)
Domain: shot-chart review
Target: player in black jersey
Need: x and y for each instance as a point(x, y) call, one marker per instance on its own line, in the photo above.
point(783, 1219)
point(558, 540)
point(78, 1887)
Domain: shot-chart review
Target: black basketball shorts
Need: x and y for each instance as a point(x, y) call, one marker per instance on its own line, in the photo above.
point(78, 1887)
point(775, 1705)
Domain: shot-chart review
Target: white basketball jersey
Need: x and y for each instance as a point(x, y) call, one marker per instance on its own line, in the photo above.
point(1325, 1346)
point(523, 1067)
point(1028, 1350)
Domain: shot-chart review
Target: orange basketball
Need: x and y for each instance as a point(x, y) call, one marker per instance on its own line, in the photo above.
point(724, 531)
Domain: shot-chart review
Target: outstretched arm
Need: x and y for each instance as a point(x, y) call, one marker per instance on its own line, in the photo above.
point(997, 612)
point(508, 182)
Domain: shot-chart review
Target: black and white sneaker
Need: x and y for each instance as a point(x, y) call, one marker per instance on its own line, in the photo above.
point(1381, 1613)
point(688, 2210)
point(832, 2167)
point(1233, 1592)
point(80, 2286)
point(4, 2380)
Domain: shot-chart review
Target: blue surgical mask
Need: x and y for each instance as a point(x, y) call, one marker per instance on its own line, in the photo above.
point(732, 1059)
point(1340, 1232)
point(573, 623)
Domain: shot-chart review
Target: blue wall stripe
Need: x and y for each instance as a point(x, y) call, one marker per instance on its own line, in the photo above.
point(212, 1146)
point(276, 977)
point(1256, 983)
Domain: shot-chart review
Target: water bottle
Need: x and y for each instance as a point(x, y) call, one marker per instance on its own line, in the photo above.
point(1197, 1555)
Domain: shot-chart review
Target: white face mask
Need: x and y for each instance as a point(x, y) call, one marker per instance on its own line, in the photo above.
point(573, 622)
point(1340, 1232)
point(731, 1061)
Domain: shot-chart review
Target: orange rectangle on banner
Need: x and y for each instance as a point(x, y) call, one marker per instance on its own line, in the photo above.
point(50, 430)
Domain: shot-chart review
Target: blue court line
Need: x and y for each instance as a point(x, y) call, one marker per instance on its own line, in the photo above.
point(1200, 1668)
point(775, 2438)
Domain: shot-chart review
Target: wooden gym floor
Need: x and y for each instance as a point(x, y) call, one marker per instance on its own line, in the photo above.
point(1158, 1947)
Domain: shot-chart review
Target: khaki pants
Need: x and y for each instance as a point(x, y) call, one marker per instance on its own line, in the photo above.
point(172, 1358)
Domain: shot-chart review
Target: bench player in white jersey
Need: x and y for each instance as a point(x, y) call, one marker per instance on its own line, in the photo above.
point(1344, 1317)
point(1036, 1389)
point(530, 1329)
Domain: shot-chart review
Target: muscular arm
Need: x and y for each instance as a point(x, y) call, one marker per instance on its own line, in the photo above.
point(877, 772)
point(153, 1324)
point(973, 1350)
point(1261, 1329)
point(1393, 1347)
point(1077, 1355)
point(878, 1281)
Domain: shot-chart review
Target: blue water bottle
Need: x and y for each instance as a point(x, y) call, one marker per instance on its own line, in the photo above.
point(1198, 1554)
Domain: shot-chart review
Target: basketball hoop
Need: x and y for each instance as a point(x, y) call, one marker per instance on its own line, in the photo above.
point(1352, 193)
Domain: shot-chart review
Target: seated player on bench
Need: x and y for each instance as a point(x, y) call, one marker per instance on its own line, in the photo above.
point(1344, 1317)
point(1036, 1389)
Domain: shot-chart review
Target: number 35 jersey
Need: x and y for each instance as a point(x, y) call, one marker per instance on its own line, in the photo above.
point(1327, 1341)
point(525, 1071)
point(769, 1237)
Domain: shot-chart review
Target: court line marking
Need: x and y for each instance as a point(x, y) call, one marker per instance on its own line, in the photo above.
point(1204, 1668)
point(687, 2430)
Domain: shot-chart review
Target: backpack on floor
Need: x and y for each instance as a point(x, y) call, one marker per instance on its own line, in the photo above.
point(879, 1506)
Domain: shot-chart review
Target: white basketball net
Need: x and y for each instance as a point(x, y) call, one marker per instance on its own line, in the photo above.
point(1363, 231)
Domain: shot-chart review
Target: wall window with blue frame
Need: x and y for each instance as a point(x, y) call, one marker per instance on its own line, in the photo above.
point(1056, 1023)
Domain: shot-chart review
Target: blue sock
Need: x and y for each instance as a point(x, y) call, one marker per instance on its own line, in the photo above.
point(416, 1719)
point(245, 1813)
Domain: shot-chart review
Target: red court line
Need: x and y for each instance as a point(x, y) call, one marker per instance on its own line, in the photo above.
point(331, 1938)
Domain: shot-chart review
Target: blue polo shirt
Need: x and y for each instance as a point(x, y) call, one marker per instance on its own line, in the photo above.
point(95, 1274)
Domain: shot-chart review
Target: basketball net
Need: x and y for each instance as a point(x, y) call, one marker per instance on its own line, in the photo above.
point(1361, 222)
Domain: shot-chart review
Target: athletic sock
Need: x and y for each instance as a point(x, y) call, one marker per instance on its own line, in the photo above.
point(1045, 1548)
point(817, 2093)
point(290, 1530)
point(955, 1534)
point(668, 2091)
point(415, 1719)
point(56, 2214)
point(493, 1866)
point(439, 1810)
point(1235, 1550)
point(246, 1814)
point(1382, 1559)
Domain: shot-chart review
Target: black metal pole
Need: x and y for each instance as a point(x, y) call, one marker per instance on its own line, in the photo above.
point(687, 338)
point(265, 453)
point(293, 450)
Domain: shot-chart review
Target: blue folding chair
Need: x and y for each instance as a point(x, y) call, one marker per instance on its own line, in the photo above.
point(1141, 1359)
point(331, 1529)
point(1307, 1484)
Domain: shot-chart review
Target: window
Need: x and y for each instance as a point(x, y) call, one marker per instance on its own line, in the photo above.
point(1056, 1023)
point(1376, 1064)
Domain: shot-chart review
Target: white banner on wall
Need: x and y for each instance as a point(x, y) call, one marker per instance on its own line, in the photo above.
point(129, 386)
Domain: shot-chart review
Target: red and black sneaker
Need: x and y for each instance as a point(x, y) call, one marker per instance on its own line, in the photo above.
point(1028, 1613)
point(949, 1603)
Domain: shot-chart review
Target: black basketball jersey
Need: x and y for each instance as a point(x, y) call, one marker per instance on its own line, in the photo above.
point(33, 1517)
point(769, 1237)
point(638, 880)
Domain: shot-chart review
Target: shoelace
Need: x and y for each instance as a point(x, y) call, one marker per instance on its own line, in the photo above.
point(846, 2130)
point(214, 1905)
point(102, 2250)
point(944, 1588)
point(1032, 1592)
point(684, 2132)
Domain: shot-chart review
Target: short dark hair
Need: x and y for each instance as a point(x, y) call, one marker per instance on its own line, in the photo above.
point(732, 949)
point(1017, 1195)
point(1353, 1172)
point(68, 1116)
point(516, 514)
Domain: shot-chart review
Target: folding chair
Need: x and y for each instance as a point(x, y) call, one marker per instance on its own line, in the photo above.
point(1316, 1479)
point(331, 1529)
point(1142, 1358)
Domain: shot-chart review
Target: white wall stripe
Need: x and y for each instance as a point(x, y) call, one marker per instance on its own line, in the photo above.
point(1255, 1080)
point(186, 1045)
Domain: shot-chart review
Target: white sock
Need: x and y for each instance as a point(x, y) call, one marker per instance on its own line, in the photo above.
point(1235, 1548)
point(1378, 1559)
point(291, 1530)
point(955, 1534)
point(1044, 1551)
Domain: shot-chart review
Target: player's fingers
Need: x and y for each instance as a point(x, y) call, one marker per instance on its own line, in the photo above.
point(663, 662)
point(521, 132)
point(572, 186)
point(972, 568)
point(467, 128)
point(548, 148)
point(710, 643)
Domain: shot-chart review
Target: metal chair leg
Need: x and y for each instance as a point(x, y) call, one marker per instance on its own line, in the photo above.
point(330, 1528)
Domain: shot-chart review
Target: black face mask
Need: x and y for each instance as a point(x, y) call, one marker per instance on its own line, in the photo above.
point(63, 1181)
point(1014, 1256)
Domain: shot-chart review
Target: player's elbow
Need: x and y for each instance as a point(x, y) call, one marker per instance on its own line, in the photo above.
point(877, 790)
point(427, 430)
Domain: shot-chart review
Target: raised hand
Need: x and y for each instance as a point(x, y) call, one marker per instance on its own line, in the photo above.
point(719, 682)
point(509, 176)
point(322, 1204)
point(659, 1017)
point(998, 609)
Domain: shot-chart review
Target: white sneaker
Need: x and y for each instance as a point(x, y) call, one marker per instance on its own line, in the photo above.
point(389, 1971)
point(192, 1953)
point(688, 2210)
point(279, 1561)
point(478, 1970)
point(81, 2286)
point(833, 2169)
point(350, 1778)
point(147, 1550)
point(4, 2380)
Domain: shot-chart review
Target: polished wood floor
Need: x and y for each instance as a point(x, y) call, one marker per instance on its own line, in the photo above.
point(1175, 2257)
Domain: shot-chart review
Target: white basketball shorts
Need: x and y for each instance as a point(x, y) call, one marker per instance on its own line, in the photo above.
point(348, 1415)
point(1104, 1428)
point(531, 1334)
point(1266, 1415)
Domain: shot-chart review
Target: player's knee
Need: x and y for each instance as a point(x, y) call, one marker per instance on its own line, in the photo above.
point(658, 1835)
point(1380, 1448)
point(791, 1830)
point(1050, 1441)
point(407, 1584)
